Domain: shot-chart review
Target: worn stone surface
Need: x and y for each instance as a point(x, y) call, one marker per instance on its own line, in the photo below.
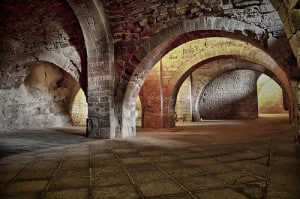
point(204, 160)
point(232, 95)
point(46, 98)
point(109, 47)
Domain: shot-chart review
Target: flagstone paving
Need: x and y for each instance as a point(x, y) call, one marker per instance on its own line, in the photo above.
point(221, 159)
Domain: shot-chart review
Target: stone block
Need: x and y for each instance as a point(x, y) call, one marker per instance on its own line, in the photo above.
point(294, 20)
point(276, 3)
point(295, 44)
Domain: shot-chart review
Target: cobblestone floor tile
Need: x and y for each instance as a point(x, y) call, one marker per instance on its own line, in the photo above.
point(21, 196)
point(115, 192)
point(131, 168)
point(98, 162)
point(151, 152)
point(185, 172)
point(32, 186)
point(75, 164)
point(170, 165)
point(173, 196)
point(254, 190)
point(69, 183)
point(80, 193)
point(107, 170)
point(161, 158)
point(200, 183)
point(149, 176)
point(110, 180)
point(72, 173)
point(157, 188)
point(134, 160)
point(125, 150)
point(8, 175)
point(35, 175)
point(236, 177)
point(251, 167)
point(225, 193)
point(201, 161)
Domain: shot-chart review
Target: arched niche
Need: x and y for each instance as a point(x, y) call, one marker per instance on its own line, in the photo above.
point(45, 98)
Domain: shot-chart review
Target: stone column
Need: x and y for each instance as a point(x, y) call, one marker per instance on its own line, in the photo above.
point(98, 122)
point(295, 110)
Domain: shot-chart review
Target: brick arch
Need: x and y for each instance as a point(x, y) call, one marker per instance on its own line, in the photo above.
point(158, 45)
point(100, 73)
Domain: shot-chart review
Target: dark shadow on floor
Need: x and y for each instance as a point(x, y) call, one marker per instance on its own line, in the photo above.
point(20, 141)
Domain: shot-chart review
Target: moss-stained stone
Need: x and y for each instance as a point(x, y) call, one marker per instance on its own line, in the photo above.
point(295, 43)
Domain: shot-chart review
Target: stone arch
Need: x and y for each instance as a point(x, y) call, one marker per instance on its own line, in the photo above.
point(38, 35)
point(223, 63)
point(235, 63)
point(100, 73)
point(158, 45)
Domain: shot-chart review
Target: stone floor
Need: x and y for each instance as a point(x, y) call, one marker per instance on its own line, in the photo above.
point(219, 159)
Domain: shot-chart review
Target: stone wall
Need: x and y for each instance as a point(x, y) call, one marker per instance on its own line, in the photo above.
point(232, 95)
point(42, 99)
point(29, 32)
point(289, 12)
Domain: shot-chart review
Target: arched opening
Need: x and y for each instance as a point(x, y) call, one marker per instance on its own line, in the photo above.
point(138, 112)
point(220, 38)
point(167, 75)
point(270, 96)
point(183, 108)
point(78, 108)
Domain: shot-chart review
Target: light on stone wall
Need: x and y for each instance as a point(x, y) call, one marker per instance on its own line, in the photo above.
point(269, 94)
point(138, 112)
point(79, 109)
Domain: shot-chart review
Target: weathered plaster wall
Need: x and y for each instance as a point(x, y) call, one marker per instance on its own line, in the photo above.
point(42, 100)
point(232, 95)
